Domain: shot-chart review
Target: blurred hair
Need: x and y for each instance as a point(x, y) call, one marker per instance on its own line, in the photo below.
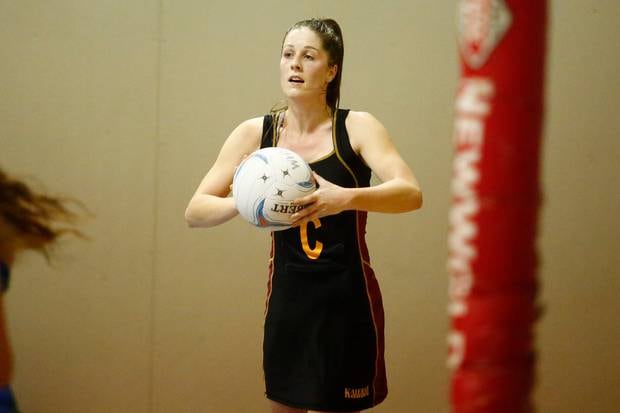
point(36, 219)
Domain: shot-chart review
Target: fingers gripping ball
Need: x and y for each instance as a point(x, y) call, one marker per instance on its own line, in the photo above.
point(266, 183)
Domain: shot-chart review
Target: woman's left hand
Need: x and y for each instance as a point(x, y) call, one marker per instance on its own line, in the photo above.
point(328, 199)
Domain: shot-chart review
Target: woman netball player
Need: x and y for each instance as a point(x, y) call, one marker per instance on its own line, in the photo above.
point(323, 339)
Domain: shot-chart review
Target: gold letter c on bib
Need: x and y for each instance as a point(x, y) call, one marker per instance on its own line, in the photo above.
point(312, 253)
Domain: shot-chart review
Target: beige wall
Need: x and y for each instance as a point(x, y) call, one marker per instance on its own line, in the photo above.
point(124, 105)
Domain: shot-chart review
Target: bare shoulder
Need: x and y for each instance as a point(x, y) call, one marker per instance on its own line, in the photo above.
point(254, 124)
point(247, 135)
point(250, 128)
point(362, 126)
point(362, 119)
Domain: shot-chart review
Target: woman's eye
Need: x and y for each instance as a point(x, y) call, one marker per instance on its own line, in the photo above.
point(309, 57)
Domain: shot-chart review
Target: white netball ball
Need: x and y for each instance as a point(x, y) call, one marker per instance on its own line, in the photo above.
point(266, 183)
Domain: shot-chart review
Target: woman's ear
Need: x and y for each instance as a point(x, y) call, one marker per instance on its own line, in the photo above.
point(331, 74)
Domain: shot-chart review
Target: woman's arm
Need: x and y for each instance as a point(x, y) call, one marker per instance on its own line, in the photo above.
point(398, 192)
point(210, 204)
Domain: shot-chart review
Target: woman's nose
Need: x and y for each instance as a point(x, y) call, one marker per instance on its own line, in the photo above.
point(295, 64)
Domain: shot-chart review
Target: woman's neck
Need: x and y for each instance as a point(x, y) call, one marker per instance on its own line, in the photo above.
point(303, 118)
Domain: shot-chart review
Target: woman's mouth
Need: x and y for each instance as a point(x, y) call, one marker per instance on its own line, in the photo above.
point(295, 79)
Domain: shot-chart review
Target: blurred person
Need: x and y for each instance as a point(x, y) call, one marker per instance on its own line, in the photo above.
point(29, 220)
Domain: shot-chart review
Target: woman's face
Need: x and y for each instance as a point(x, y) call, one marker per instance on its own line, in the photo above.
point(304, 65)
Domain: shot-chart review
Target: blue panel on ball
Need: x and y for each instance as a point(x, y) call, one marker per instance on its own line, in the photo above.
point(262, 157)
point(306, 184)
point(264, 222)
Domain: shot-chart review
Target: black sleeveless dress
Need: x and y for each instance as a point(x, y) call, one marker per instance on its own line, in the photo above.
point(323, 343)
